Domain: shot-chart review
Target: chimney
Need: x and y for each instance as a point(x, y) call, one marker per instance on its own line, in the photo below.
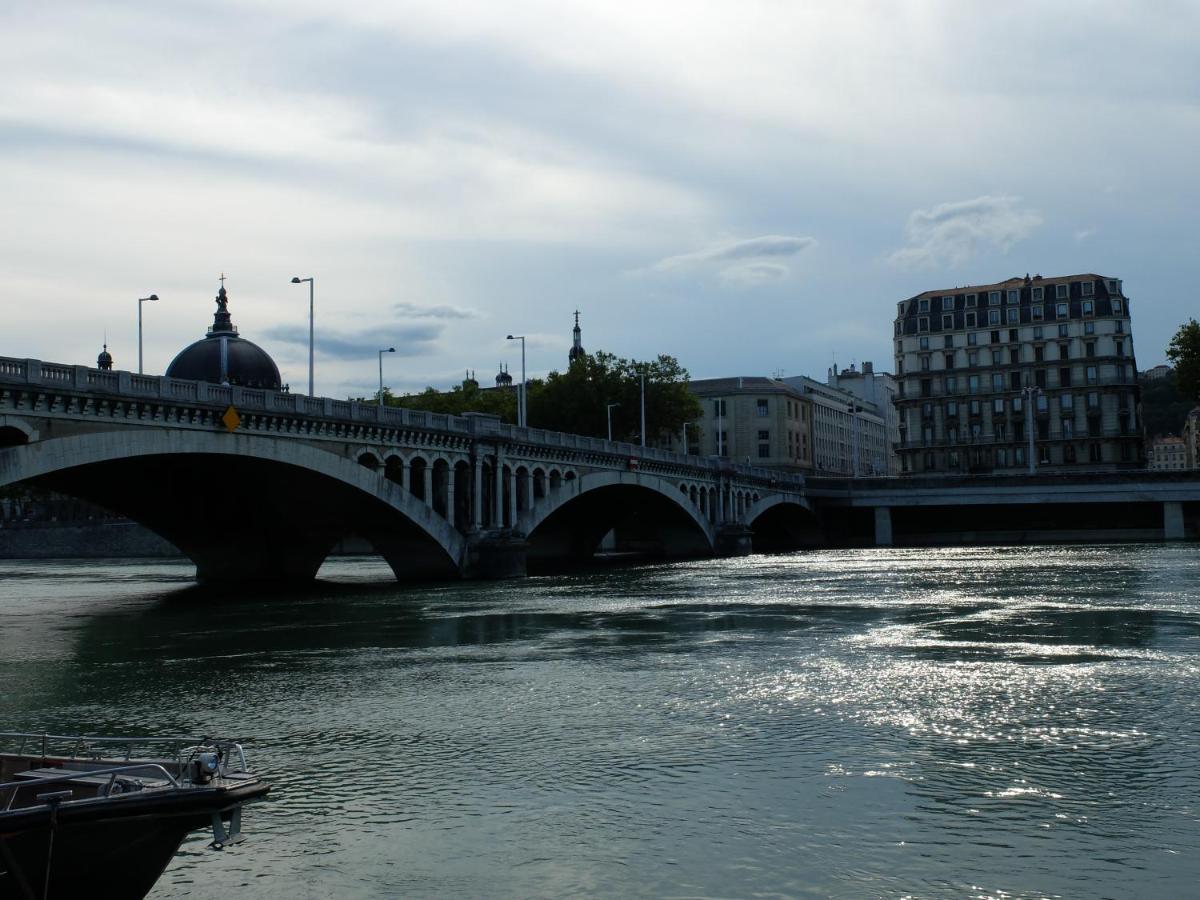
point(868, 368)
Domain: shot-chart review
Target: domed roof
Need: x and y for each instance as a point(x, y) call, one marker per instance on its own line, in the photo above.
point(224, 358)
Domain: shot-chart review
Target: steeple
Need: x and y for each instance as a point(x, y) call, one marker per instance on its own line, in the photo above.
point(503, 379)
point(222, 323)
point(577, 351)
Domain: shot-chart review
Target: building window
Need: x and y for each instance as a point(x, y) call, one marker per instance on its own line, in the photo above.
point(928, 462)
point(1069, 452)
point(1016, 404)
point(1094, 454)
point(1019, 456)
point(1035, 313)
point(1120, 327)
point(1091, 374)
point(952, 459)
point(1064, 377)
point(923, 323)
point(993, 298)
point(972, 299)
point(719, 407)
point(764, 444)
point(1088, 288)
point(923, 342)
point(923, 306)
point(924, 362)
point(976, 431)
point(1116, 307)
point(995, 336)
point(1089, 348)
point(1088, 307)
point(948, 341)
point(973, 384)
point(1037, 333)
point(1014, 315)
point(1068, 428)
point(949, 360)
point(927, 410)
point(1120, 347)
point(998, 406)
point(947, 303)
point(1114, 286)
point(1014, 381)
point(1039, 353)
point(1062, 330)
point(973, 408)
point(1037, 293)
point(951, 435)
point(926, 387)
point(1039, 378)
point(1043, 403)
point(1001, 453)
point(971, 320)
point(997, 381)
point(993, 317)
point(762, 408)
point(723, 443)
point(1093, 400)
point(1014, 356)
point(972, 357)
point(1060, 292)
point(1061, 310)
point(997, 357)
point(1064, 351)
point(947, 321)
point(1014, 296)
point(1089, 327)
point(952, 409)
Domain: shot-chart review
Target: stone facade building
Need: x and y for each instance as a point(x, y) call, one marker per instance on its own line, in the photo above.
point(1167, 453)
point(850, 434)
point(878, 389)
point(762, 421)
point(971, 361)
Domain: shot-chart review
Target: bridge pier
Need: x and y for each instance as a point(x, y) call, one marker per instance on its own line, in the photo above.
point(494, 555)
point(734, 540)
point(883, 526)
point(1173, 529)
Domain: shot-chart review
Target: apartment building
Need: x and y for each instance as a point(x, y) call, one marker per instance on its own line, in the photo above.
point(979, 367)
point(879, 390)
point(752, 419)
point(849, 434)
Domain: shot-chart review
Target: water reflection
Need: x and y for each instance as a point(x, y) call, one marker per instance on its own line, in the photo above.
point(828, 724)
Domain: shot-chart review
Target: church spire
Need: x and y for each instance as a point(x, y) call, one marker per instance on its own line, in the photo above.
point(577, 351)
point(222, 322)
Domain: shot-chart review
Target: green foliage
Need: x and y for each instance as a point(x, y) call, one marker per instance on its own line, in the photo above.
point(1163, 407)
point(577, 400)
point(1184, 353)
point(467, 397)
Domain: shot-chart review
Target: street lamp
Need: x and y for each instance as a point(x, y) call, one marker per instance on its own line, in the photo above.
point(642, 379)
point(381, 352)
point(298, 280)
point(153, 298)
point(522, 409)
point(1029, 392)
point(610, 409)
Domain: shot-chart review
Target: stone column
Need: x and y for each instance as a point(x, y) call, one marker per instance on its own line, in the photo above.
point(498, 490)
point(883, 526)
point(405, 476)
point(429, 485)
point(1173, 521)
point(450, 498)
point(529, 491)
point(512, 498)
point(477, 491)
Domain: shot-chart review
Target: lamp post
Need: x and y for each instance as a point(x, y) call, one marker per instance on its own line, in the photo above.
point(298, 280)
point(381, 352)
point(153, 298)
point(610, 409)
point(1029, 392)
point(853, 409)
point(642, 380)
point(522, 409)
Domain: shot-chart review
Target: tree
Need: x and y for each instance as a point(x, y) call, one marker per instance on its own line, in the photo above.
point(1184, 353)
point(577, 400)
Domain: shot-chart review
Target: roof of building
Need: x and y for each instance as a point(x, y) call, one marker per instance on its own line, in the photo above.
point(1016, 281)
point(746, 384)
point(222, 357)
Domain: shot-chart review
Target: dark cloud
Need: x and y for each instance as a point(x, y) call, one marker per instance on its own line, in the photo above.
point(445, 311)
point(409, 340)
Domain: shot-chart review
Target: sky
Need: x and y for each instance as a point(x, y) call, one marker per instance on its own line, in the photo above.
point(747, 186)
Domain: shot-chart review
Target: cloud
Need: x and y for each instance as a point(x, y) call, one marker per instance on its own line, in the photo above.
point(745, 263)
point(445, 311)
point(953, 233)
point(409, 340)
point(1084, 233)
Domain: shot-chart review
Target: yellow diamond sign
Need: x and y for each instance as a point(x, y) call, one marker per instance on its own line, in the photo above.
point(231, 419)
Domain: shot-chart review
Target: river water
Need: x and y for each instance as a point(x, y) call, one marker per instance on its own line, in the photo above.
point(993, 722)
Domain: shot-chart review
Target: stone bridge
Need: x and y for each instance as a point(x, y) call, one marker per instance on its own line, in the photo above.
point(254, 484)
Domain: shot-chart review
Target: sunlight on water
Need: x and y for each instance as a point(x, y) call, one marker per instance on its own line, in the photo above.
point(972, 722)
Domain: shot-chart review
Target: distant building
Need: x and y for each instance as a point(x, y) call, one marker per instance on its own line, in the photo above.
point(1156, 373)
point(850, 434)
point(970, 360)
point(878, 389)
point(577, 351)
point(1191, 438)
point(1167, 453)
point(763, 421)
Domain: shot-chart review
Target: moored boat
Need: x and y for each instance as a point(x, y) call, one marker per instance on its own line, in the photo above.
point(101, 816)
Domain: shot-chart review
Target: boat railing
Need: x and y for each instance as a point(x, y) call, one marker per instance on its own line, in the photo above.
point(182, 749)
point(40, 781)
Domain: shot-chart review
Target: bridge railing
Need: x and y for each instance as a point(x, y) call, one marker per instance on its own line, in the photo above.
point(122, 384)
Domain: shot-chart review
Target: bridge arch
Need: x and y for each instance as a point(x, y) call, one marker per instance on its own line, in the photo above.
point(14, 431)
point(243, 507)
point(781, 522)
point(651, 513)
